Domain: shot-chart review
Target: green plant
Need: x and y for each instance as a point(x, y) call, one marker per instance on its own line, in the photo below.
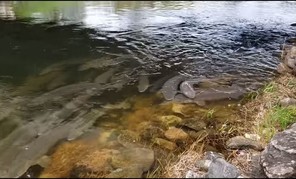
point(209, 113)
point(269, 88)
point(283, 116)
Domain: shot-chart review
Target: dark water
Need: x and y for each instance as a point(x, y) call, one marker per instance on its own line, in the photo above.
point(213, 39)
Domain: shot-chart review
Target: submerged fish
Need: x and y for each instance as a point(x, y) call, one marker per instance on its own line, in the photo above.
point(220, 93)
point(100, 63)
point(104, 77)
point(170, 87)
point(143, 83)
point(187, 89)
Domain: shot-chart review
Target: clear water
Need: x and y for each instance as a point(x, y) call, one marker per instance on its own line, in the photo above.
point(44, 44)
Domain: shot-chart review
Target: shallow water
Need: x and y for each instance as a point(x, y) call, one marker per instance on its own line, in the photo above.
point(53, 52)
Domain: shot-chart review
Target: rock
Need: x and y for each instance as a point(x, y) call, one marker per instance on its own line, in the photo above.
point(203, 164)
point(95, 162)
point(149, 131)
point(194, 124)
point(290, 57)
point(165, 144)
point(128, 172)
point(282, 68)
point(279, 157)
point(142, 157)
point(255, 137)
point(288, 102)
point(240, 142)
point(219, 168)
point(128, 138)
point(174, 134)
point(192, 174)
point(170, 120)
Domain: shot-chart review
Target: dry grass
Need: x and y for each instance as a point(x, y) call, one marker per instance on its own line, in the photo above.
point(256, 117)
point(258, 111)
point(185, 163)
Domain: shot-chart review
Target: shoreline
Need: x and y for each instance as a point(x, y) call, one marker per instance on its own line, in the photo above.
point(264, 113)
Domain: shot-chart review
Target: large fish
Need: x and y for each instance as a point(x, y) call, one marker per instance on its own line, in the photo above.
point(104, 77)
point(171, 87)
point(143, 83)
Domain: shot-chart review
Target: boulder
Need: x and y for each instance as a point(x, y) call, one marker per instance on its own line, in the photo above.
point(288, 102)
point(192, 174)
point(194, 124)
point(279, 157)
point(240, 142)
point(174, 134)
point(140, 157)
point(127, 172)
point(165, 143)
point(219, 168)
point(170, 120)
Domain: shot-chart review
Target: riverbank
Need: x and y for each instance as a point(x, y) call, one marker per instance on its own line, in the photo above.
point(262, 114)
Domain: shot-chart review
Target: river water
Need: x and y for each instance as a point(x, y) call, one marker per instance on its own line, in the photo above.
point(46, 46)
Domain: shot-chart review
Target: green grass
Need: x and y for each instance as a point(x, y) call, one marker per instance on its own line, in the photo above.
point(269, 88)
point(209, 114)
point(283, 116)
point(277, 119)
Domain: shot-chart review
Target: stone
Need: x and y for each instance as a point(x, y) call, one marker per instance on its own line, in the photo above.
point(128, 172)
point(252, 136)
point(203, 164)
point(194, 124)
point(142, 157)
point(219, 168)
point(288, 102)
point(165, 144)
point(240, 142)
point(192, 174)
point(174, 134)
point(279, 157)
point(149, 132)
point(170, 120)
point(282, 68)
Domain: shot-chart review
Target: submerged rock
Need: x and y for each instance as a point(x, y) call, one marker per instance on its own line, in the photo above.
point(279, 157)
point(194, 124)
point(165, 143)
point(140, 157)
point(240, 142)
point(175, 134)
point(170, 120)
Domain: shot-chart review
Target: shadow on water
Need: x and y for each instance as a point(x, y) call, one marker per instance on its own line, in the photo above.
point(80, 80)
